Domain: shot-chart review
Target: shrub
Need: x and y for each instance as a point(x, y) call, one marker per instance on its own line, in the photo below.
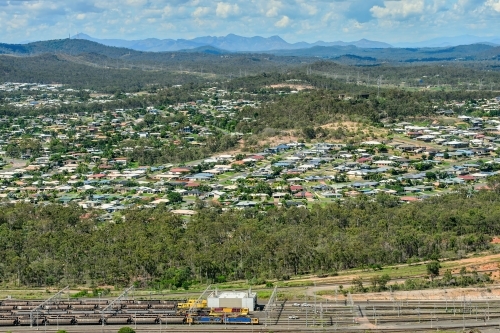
point(126, 330)
point(83, 293)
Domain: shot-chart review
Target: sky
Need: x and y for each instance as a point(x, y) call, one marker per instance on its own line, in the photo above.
point(389, 21)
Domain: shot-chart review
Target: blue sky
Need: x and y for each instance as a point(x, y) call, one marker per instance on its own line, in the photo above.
point(295, 20)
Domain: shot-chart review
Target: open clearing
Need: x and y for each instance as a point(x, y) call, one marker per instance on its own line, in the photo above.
point(297, 87)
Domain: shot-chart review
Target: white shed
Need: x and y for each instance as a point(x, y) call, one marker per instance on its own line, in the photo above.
point(233, 299)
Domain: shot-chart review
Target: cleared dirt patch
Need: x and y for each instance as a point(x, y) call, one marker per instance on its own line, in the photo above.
point(350, 125)
point(298, 87)
point(430, 294)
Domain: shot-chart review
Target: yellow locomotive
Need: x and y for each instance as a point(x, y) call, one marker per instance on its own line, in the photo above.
point(229, 311)
point(192, 304)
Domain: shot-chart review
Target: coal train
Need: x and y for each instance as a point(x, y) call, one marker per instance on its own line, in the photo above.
point(90, 312)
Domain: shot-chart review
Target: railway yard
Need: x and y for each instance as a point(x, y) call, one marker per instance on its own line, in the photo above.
point(453, 314)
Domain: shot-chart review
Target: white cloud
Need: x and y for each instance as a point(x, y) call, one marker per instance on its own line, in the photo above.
point(310, 9)
point(136, 3)
point(225, 9)
point(398, 9)
point(283, 23)
point(494, 4)
point(168, 26)
point(295, 20)
point(167, 11)
point(201, 11)
point(270, 8)
point(272, 12)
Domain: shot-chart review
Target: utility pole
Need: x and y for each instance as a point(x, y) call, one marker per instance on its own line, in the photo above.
point(314, 297)
point(463, 312)
point(378, 86)
point(321, 313)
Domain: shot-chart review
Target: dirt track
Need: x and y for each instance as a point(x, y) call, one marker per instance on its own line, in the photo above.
point(485, 264)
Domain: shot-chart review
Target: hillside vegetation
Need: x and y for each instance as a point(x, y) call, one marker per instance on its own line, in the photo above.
point(87, 64)
point(53, 245)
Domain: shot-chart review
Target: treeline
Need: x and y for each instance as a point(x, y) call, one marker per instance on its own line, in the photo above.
point(51, 245)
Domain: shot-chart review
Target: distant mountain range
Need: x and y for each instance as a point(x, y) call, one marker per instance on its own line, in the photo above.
point(471, 52)
point(231, 42)
point(235, 43)
point(451, 41)
point(349, 54)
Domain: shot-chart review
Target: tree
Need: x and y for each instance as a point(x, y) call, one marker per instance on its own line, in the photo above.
point(448, 277)
point(309, 133)
point(430, 175)
point(24, 146)
point(433, 268)
point(493, 183)
point(82, 168)
point(174, 197)
point(126, 330)
point(379, 282)
point(357, 284)
point(384, 279)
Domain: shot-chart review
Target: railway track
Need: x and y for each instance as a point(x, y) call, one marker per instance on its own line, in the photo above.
point(256, 329)
point(390, 316)
point(101, 313)
point(383, 316)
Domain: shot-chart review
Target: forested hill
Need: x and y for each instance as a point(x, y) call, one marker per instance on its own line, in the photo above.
point(84, 48)
point(54, 245)
point(323, 106)
point(69, 46)
point(51, 68)
point(248, 72)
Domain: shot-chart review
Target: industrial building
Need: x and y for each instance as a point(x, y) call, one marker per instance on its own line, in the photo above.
point(232, 299)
